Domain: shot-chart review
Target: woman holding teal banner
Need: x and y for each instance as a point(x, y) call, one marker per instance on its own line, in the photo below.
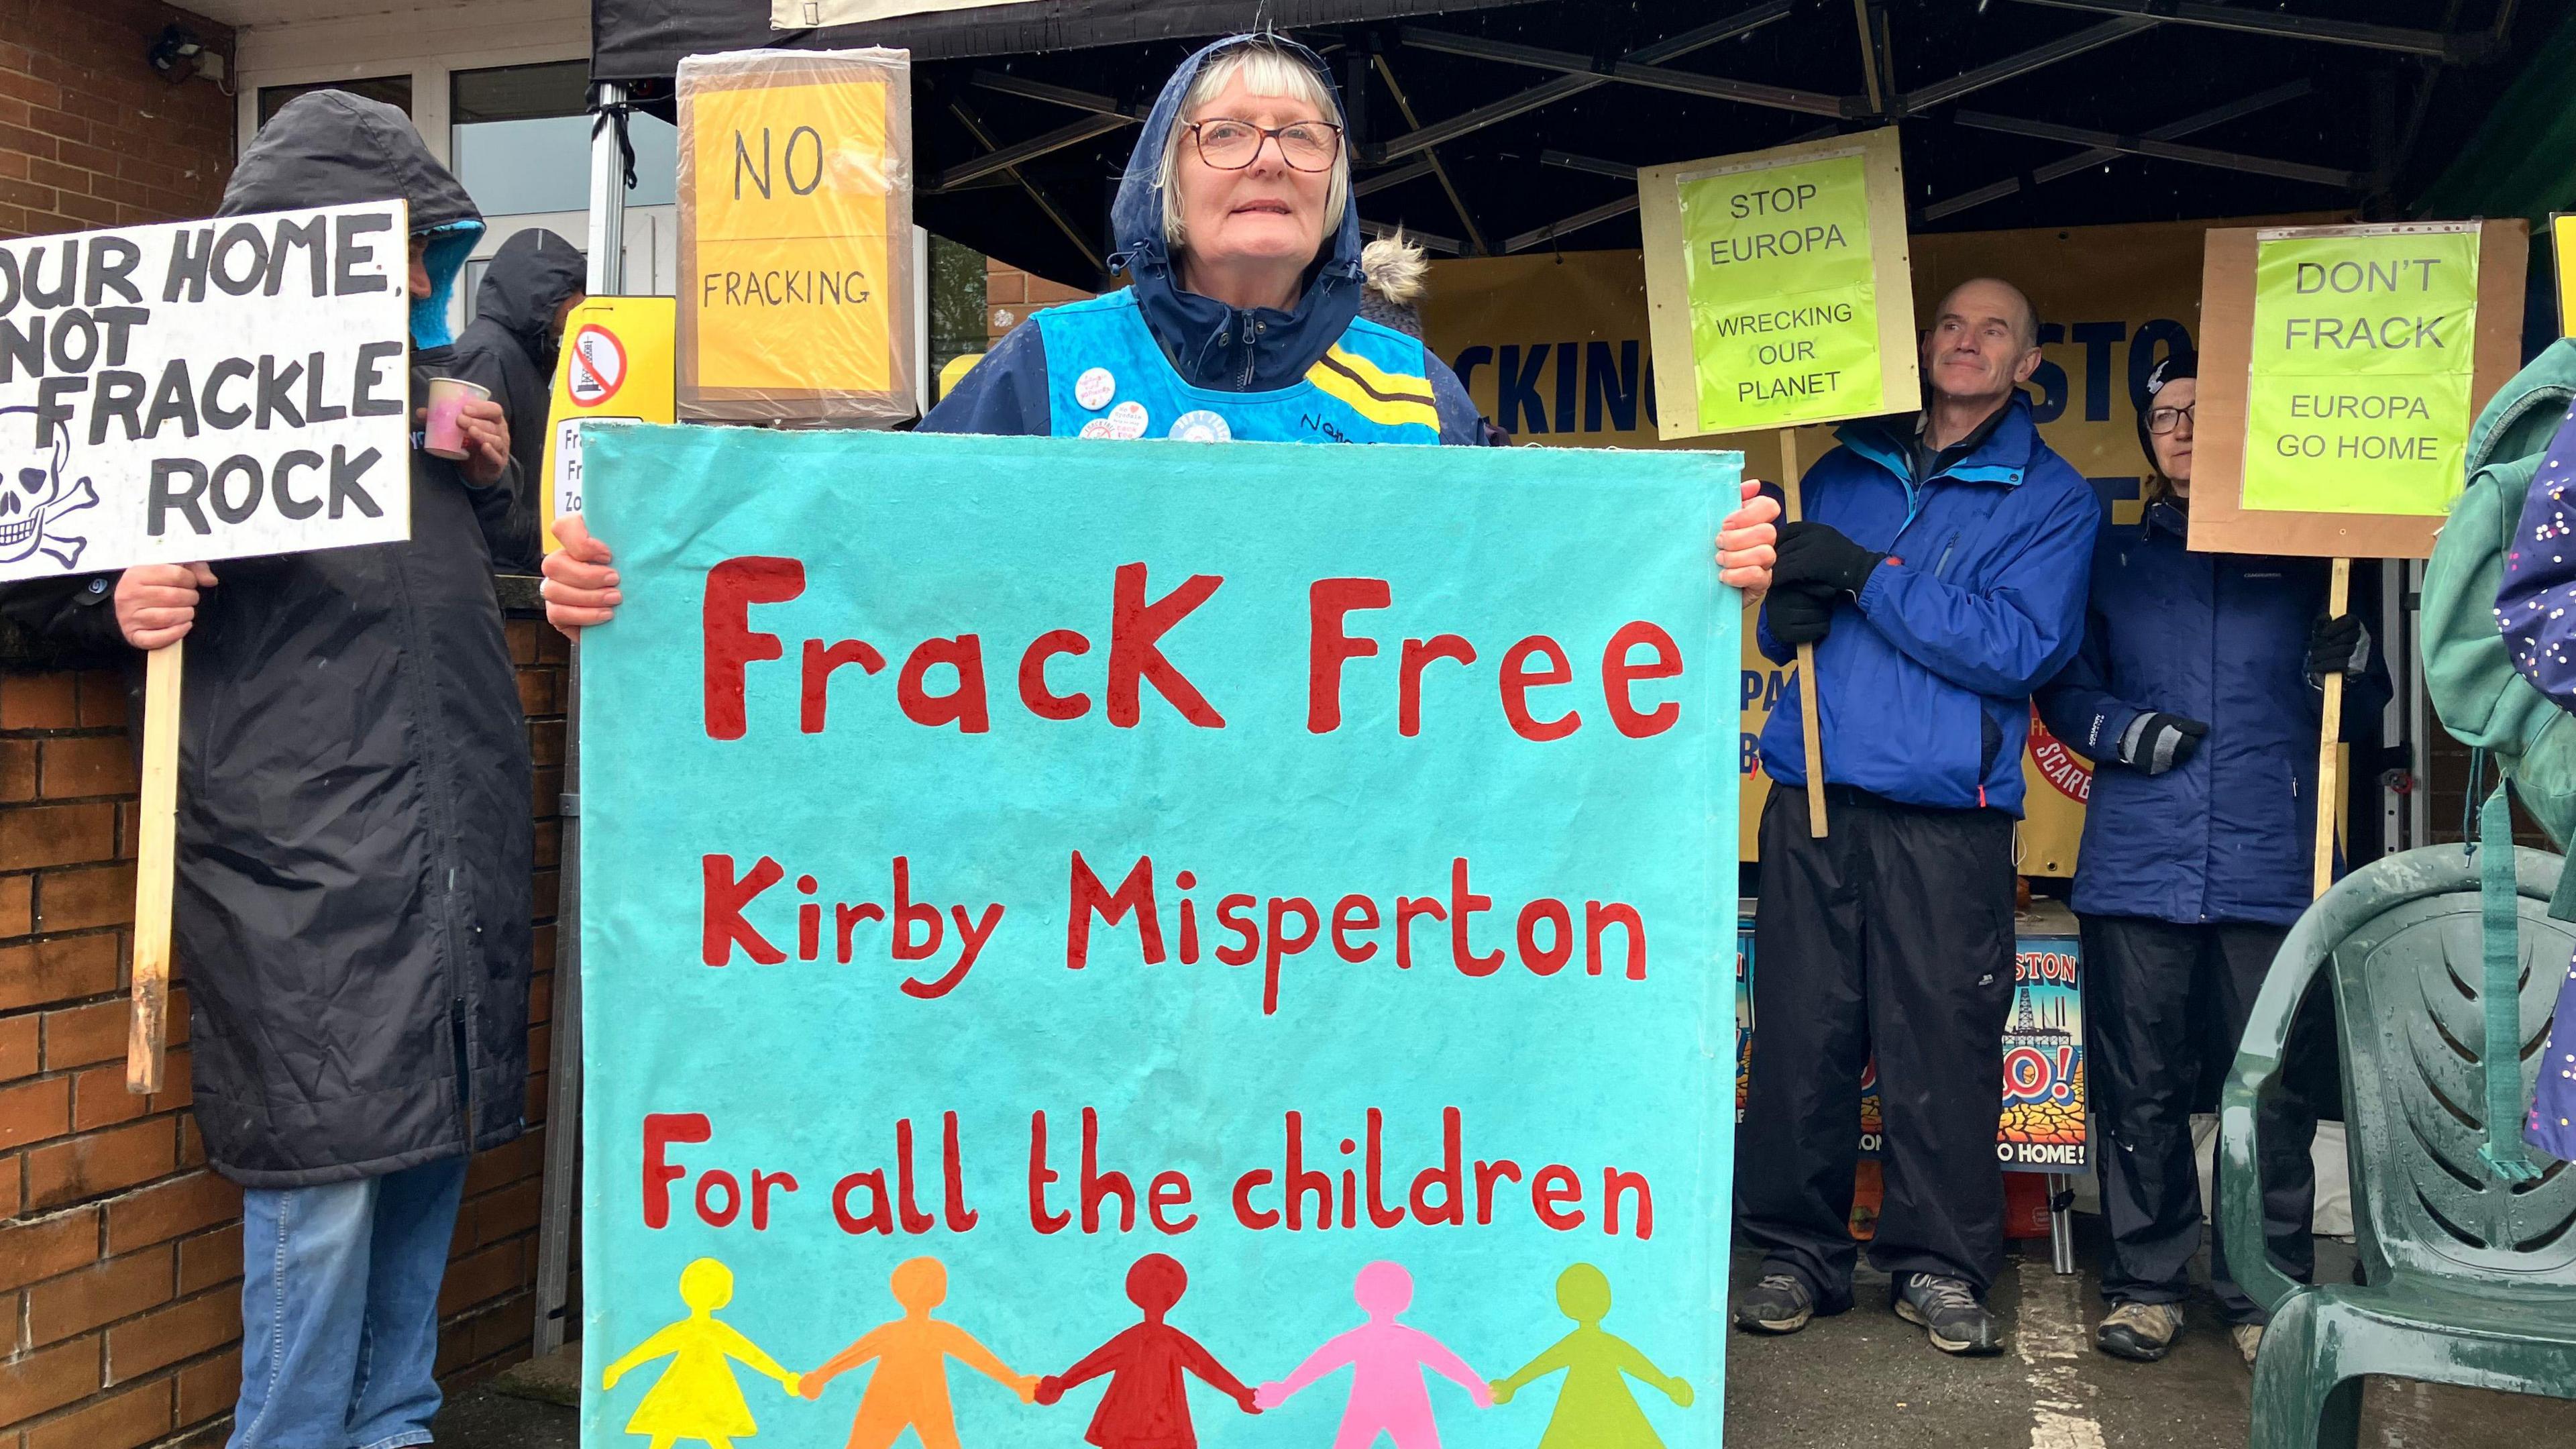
point(1234, 222)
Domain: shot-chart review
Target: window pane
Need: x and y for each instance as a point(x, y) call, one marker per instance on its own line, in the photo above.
point(521, 141)
point(657, 160)
point(393, 90)
point(511, 167)
point(519, 92)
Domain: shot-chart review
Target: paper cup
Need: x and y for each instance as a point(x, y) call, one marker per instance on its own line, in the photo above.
point(445, 435)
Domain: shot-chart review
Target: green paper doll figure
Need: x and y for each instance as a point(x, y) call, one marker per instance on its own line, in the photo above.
point(1594, 1410)
point(696, 1397)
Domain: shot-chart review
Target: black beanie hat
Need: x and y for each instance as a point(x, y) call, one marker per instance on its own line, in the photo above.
point(2179, 365)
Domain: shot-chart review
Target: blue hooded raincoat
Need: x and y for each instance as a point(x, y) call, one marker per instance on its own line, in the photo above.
point(1153, 360)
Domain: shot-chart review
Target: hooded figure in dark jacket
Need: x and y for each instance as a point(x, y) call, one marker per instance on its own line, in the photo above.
point(352, 900)
point(510, 348)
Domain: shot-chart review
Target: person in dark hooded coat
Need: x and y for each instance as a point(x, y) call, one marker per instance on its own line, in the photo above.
point(354, 837)
point(1236, 227)
point(533, 280)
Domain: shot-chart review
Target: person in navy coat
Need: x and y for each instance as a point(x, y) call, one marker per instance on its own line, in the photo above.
point(2196, 695)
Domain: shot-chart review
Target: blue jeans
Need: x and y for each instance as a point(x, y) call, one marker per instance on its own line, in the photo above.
point(340, 1310)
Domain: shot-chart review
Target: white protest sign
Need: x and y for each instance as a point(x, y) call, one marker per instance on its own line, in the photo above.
point(204, 390)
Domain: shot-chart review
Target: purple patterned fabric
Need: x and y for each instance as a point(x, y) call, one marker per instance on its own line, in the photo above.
point(2536, 607)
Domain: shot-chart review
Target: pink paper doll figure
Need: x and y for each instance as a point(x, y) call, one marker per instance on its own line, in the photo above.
point(1388, 1395)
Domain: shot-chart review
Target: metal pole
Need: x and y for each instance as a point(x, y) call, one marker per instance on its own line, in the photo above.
point(607, 201)
point(2061, 1223)
point(607, 277)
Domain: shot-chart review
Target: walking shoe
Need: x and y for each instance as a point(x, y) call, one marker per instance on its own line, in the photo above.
point(1947, 1310)
point(2139, 1332)
point(2249, 1337)
point(1778, 1304)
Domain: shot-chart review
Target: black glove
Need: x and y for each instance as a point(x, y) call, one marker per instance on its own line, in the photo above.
point(2156, 742)
point(1800, 615)
point(1819, 555)
point(2338, 646)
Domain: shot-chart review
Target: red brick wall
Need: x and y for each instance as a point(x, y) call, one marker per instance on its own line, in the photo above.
point(1010, 295)
point(92, 136)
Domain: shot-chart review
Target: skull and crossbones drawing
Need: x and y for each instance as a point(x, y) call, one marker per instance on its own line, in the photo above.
point(35, 497)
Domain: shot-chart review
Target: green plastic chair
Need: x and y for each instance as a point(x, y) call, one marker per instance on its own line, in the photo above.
point(2468, 1278)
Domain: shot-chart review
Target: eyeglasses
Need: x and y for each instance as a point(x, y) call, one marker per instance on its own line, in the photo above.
point(1231, 145)
point(2161, 421)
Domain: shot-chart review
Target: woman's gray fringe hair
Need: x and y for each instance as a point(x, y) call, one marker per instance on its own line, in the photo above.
point(1266, 70)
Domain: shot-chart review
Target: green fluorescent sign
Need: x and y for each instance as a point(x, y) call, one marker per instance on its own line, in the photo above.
point(2363, 351)
point(1784, 316)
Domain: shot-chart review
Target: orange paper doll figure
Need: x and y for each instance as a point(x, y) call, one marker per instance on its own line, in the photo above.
point(910, 1386)
point(1388, 1395)
point(1147, 1404)
point(696, 1397)
point(1594, 1410)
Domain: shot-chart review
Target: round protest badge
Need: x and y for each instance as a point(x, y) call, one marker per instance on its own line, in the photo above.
point(596, 365)
point(1127, 420)
point(1096, 428)
point(1201, 426)
point(1094, 387)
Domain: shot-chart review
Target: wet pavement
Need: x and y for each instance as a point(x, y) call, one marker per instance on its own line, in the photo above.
point(1865, 1380)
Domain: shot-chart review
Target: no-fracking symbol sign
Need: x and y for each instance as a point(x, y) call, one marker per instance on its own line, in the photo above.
point(598, 366)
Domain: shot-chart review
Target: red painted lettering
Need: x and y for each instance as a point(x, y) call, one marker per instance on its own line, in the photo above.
point(728, 640)
point(1327, 602)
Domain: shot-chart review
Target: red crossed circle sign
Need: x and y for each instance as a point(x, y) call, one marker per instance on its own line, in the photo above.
point(597, 366)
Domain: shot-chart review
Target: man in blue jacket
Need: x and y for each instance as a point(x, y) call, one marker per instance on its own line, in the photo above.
point(1940, 573)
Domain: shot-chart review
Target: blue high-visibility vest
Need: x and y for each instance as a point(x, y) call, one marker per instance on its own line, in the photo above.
point(1108, 378)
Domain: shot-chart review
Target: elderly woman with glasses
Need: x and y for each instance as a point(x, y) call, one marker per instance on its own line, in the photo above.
point(1235, 226)
point(2197, 696)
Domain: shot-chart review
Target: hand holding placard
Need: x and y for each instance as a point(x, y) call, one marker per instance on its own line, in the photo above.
point(156, 604)
point(1782, 275)
point(239, 392)
point(2341, 370)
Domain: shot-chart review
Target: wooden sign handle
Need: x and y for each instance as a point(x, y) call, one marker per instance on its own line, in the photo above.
point(154, 860)
point(2329, 755)
point(1807, 718)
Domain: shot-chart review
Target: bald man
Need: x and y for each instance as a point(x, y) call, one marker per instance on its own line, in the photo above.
point(1941, 575)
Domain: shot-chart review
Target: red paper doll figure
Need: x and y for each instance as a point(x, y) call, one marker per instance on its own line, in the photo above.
point(1147, 1404)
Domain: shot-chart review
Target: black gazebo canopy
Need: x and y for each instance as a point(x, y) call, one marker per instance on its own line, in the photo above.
point(1495, 126)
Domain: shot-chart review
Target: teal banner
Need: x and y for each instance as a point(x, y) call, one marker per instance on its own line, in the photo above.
point(1147, 943)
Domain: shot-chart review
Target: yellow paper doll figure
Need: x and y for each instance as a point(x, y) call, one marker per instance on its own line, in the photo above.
point(1594, 1410)
point(909, 1388)
point(696, 1397)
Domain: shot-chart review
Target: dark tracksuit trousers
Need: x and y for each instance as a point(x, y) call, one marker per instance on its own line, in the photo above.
point(1894, 932)
point(2165, 1006)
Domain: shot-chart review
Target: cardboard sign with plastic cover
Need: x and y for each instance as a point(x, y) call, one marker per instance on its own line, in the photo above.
point(795, 171)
